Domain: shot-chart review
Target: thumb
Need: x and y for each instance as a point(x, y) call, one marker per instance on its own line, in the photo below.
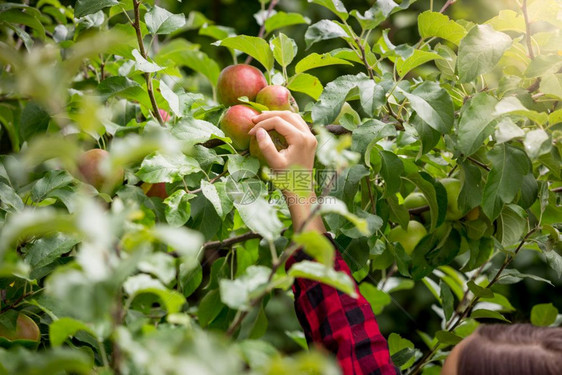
point(268, 149)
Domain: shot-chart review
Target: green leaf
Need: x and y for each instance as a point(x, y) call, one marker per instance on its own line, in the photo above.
point(447, 338)
point(372, 96)
point(143, 64)
point(511, 225)
point(479, 291)
point(171, 97)
point(401, 350)
point(508, 20)
point(46, 250)
point(85, 7)
point(260, 217)
point(336, 6)
point(419, 57)
point(507, 130)
point(476, 123)
point(182, 53)
point(488, 314)
point(195, 131)
point(328, 107)
point(435, 24)
point(178, 209)
point(251, 45)
point(392, 170)
point(544, 314)
point(216, 194)
point(336, 206)
point(160, 21)
point(9, 199)
point(509, 166)
point(185, 241)
point(167, 168)
point(433, 105)
point(284, 49)
point(377, 298)
point(326, 275)
point(115, 85)
point(237, 293)
point(447, 300)
point(317, 246)
point(190, 279)
point(512, 106)
point(480, 50)
point(63, 328)
point(141, 284)
point(323, 30)
point(543, 65)
point(307, 84)
point(34, 120)
point(314, 60)
point(282, 19)
point(552, 85)
point(435, 194)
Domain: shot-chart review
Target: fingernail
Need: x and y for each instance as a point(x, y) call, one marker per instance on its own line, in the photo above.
point(260, 134)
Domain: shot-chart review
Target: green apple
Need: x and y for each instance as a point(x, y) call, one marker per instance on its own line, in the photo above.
point(408, 238)
point(453, 187)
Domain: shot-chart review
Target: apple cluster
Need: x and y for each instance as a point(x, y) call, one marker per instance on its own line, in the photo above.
point(242, 80)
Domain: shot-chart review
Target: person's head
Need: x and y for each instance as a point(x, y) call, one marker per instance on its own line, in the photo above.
point(517, 349)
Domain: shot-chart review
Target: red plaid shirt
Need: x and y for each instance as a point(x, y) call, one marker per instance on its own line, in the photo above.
point(343, 325)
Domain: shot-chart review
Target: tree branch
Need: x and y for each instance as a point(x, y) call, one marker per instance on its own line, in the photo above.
point(261, 33)
point(527, 30)
point(147, 76)
point(215, 245)
point(447, 5)
point(478, 163)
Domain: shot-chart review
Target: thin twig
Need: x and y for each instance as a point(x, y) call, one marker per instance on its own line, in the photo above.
point(147, 76)
point(262, 28)
point(447, 5)
point(211, 181)
point(478, 163)
point(527, 30)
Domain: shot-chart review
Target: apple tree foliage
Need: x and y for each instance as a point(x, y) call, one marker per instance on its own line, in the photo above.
point(122, 283)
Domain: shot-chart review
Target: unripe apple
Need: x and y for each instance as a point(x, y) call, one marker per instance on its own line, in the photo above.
point(157, 190)
point(26, 329)
point(277, 98)
point(239, 80)
point(453, 187)
point(236, 123)
point(278, 140)
point(415, 200)
point(408, 238)
point(473, 214)
point(89, 166)
point(164, 114)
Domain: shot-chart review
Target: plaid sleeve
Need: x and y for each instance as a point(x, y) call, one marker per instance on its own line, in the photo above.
point(344, 325)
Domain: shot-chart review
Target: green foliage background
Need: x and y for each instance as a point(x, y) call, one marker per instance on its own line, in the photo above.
point(122, 283)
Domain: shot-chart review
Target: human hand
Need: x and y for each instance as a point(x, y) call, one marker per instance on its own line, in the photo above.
point(301, 141)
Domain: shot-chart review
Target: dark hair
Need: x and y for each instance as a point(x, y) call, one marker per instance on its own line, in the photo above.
point(518, 349)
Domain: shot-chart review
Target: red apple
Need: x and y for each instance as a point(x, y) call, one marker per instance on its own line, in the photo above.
point(158, 190)
point(236, 123)
point(278, 140)
point(164, 114)
point(277, 98)
point(239, 80)
point(26, 329)
point(89, 166)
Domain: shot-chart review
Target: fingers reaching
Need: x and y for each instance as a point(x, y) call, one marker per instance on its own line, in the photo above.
point(268, 149)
